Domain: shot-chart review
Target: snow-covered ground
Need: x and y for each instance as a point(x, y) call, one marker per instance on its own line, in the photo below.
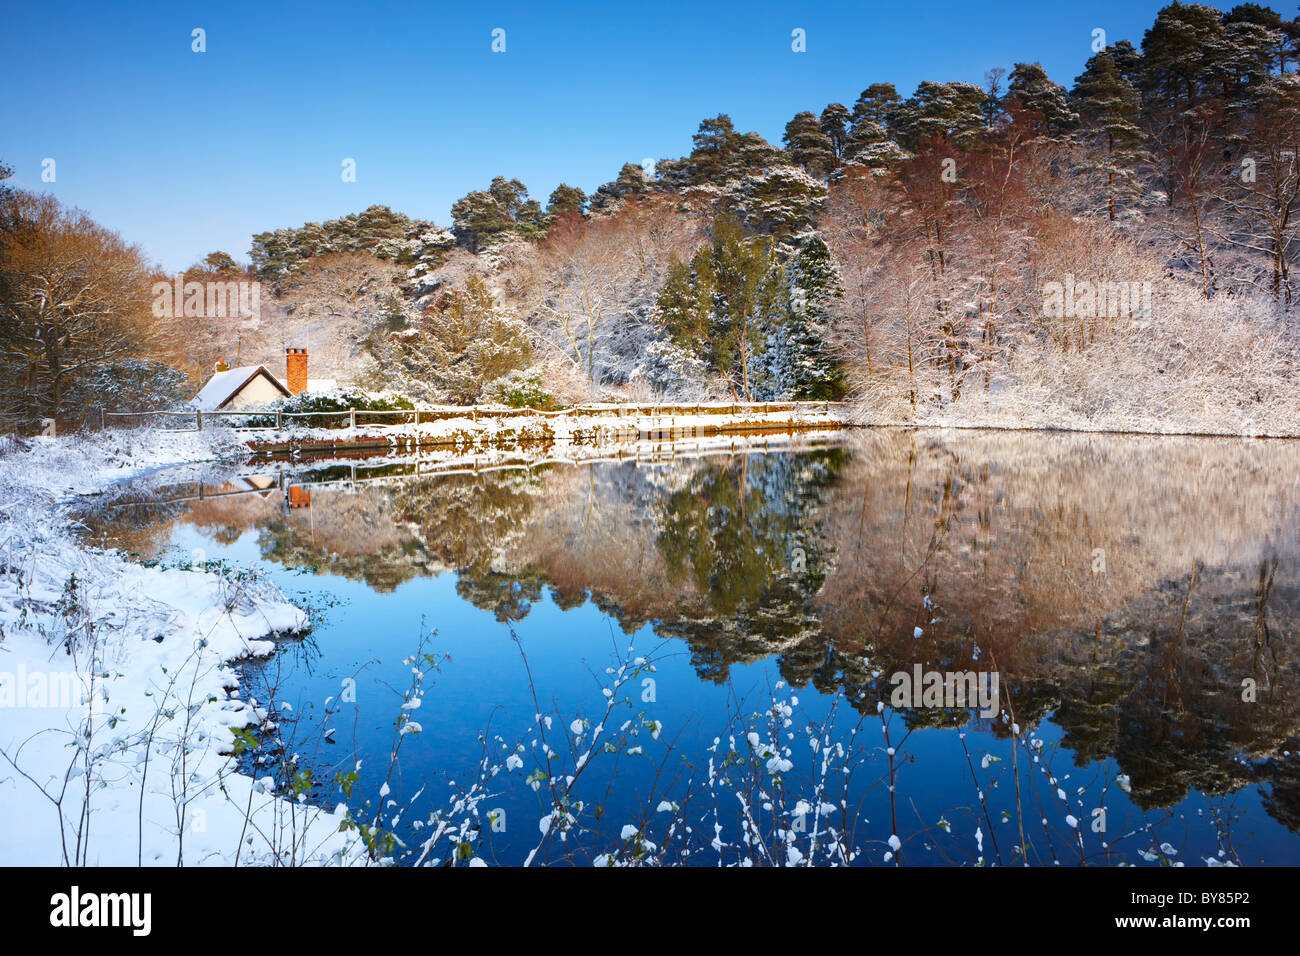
point(593, 424)
point(117, 692)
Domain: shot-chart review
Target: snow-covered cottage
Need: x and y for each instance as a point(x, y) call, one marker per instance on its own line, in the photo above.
point(236, 389)
point(252, 386)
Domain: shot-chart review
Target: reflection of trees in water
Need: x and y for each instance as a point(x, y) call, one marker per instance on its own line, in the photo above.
point(509, 596)
point(1167, 699)
point(1282, 793)
point(386, 535)
point(469, 522)
point(1137, 657)
point(742, 532)
point(357, 534)
point(133, 528)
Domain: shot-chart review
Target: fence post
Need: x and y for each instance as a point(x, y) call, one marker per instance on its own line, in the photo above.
point(352, 418)
point(102, 424)
point(199, 415)
point(277, 419)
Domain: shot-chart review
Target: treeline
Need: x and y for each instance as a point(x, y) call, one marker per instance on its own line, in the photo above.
point(895, 249)
point(945, 213)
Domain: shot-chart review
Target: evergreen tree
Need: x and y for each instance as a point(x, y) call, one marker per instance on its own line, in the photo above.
point(1110, 108)
point(1179, 52)
point(1128, 60)
point(459, 347)
point(682, 308)
point(807, 146)
point(722, 306)
point(953, 111)
point(378, 230)
point(1046, 100)
point(1283, 33)
point(796, 362)
point(834, 122)
point(503, 209)
point(222, 263)
point(781, 201)
point(1240, 61)
point(877, 102)
point(631, 181)
point(753, 156)
point(566, 198)
point(715, 145)
point(1290, 52)
point(869, 145)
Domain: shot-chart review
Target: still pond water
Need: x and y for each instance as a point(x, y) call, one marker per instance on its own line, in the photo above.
point(692, 657)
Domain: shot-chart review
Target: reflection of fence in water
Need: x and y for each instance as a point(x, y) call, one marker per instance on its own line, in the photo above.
point(640, 453)
point(254, 420)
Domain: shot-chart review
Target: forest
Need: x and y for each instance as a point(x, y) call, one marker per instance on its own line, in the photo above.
point(905, 253)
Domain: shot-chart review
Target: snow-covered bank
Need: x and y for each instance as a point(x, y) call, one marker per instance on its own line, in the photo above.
point(986, 415)
point(1200, 369)
point(117, 694)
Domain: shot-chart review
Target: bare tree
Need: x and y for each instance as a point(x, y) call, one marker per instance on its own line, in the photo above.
point(76, 300)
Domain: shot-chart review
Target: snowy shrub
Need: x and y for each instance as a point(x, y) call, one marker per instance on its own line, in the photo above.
point(670, 370)
point(343, 399)
point(520, 390)
point(132, 385)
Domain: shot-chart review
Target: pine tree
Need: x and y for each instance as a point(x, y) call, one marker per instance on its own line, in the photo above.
point(1241, 60)
point(460, 347)
point(722, 305)
point(796, 362)
point(222, 263)
point(1179, 52)
point(566, 198)
point(753, 156)
point(781, 201)
point(715, 145)
point(869, 145)
point(807, 146)
point(1110, 107)
point(1128, 60)
point(682, 308)
point(631, 181)
point(503, 209)
point(1290, 51)
point(834, 122)
point(953, 111)
point(1044, 99)
point(876, 104)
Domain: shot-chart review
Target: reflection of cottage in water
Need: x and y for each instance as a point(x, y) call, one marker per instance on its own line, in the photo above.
point(255, 484)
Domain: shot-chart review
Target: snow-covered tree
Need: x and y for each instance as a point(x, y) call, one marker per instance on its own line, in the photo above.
point(1109, 108)
point(458, 348)
point(834, 122)
point(1043, 99)
point(796, 361)
point(781, 201)
point(808, 146)
point(502, 211)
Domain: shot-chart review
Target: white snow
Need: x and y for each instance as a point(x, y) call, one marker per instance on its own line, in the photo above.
point(138, 732)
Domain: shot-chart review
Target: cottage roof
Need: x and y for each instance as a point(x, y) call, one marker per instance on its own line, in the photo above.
point(223, 386)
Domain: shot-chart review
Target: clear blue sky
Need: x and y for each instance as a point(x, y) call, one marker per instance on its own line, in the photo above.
point(185, 152)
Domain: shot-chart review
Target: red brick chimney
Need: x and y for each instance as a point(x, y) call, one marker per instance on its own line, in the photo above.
point(295, 361)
